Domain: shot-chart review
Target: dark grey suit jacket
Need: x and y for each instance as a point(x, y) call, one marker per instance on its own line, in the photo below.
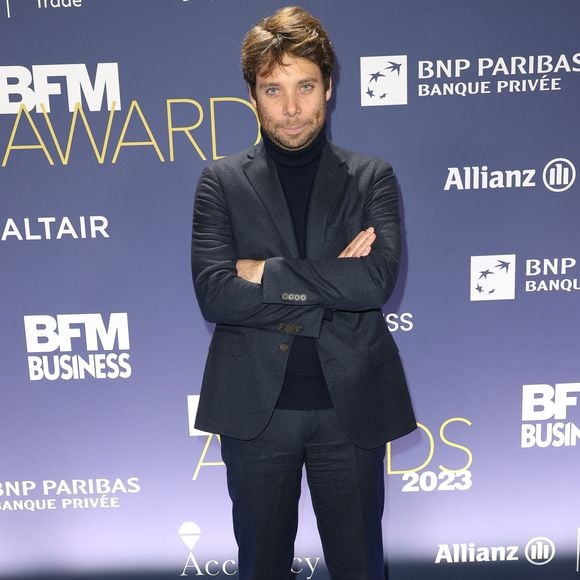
point(241, 212)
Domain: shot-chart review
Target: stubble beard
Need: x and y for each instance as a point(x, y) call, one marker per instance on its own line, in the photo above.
point(274, 130)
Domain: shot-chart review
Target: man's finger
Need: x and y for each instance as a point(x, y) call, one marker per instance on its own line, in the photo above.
point(361, 243)
point(356, 246)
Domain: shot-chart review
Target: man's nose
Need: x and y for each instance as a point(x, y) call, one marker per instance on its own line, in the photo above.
point(291, 106)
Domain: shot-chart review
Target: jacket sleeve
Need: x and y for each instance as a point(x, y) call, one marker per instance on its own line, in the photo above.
point(223, 297)
point(346, 283)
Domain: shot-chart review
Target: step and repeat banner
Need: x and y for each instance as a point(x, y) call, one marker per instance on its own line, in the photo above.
point(109, 110)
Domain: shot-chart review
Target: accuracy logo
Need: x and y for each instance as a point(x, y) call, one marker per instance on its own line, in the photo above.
point(190, 533)
point(493, 277)
point(383, 80)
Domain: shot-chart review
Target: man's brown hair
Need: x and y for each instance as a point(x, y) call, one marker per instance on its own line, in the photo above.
point(289, 31)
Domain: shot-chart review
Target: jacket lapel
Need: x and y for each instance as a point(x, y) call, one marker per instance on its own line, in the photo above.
point(328, 188)
point(263, 177)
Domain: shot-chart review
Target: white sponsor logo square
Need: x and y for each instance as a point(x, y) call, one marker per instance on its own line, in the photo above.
point(493, 277)
point(383, 80)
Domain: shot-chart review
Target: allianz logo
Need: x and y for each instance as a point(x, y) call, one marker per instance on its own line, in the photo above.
point(558, 175)
point(538, 551)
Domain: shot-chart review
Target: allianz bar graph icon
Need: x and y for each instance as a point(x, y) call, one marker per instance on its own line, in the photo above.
point(559, 174)
point(540, 551)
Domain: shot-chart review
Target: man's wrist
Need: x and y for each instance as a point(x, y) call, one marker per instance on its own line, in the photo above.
point(250, 270)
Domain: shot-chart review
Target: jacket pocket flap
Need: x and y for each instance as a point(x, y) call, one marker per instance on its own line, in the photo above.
point(382, 350)
point(227, 341)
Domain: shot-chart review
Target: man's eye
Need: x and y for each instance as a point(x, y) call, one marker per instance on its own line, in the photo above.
point(307, 88)
point(272, 91)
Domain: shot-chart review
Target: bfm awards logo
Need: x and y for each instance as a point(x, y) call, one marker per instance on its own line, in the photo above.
point(546, 411)
point(28, 93)
point(383, 80)
point(493, 277)
point(101, 345)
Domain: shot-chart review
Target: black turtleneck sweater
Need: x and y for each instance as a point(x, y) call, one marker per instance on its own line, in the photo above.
point(304, 384)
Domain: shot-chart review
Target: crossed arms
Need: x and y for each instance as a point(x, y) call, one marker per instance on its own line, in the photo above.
point(361, 245)
point(234, 290)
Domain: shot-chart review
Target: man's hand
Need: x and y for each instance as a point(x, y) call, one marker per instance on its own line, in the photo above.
point(250, 270)
point(361, 245)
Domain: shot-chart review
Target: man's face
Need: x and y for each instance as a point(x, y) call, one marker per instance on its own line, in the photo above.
point(291, 102)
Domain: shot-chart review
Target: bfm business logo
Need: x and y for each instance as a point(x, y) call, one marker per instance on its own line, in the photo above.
point(103, 346)
point(546, 411)
point(190, 534)
point(384, 78)
point(493, 277)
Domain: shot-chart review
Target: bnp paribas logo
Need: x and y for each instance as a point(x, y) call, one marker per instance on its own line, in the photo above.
point(493, 277)
point(383, 80)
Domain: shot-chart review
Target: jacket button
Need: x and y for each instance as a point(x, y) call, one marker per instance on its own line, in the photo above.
point(284, 347)
point(298, 328)
point(303, 297)
point(285, 296)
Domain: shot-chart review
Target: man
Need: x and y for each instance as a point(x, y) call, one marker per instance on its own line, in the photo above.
point(295, 249)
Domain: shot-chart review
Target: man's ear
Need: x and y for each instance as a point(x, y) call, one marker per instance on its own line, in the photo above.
point(328, 92)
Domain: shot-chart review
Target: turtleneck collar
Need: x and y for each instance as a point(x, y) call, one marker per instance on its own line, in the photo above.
point(299, 157)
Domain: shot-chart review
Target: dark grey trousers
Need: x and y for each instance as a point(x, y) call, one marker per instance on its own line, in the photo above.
point(346, 485)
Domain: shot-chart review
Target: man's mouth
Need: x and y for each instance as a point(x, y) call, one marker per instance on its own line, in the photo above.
point(294, 129)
